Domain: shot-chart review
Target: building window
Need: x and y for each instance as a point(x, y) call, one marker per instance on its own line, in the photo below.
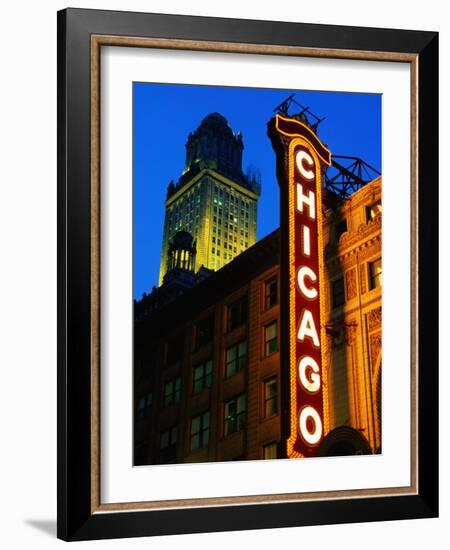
point(237, 313)
point(144, 405)
point(270, 397)
point(375, 274)
point(202, 376)
point(200, 431)
point(174, 348)
point(234, 415)
point(270, 451)
point(270, 292)
point(271, 338)
point(373, 211)
point(338, 291)
point(172, 391)
point(203, 331)
point(168, 445)
point(341, 227)
point(236, 358)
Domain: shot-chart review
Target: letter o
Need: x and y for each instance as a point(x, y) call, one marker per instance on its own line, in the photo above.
point(312, 438)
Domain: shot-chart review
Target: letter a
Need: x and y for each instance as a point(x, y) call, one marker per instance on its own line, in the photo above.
point(307, 328)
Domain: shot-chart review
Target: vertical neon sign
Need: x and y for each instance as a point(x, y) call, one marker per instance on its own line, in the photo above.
point(300, 158)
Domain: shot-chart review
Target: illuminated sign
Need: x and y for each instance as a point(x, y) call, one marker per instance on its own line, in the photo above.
point(300, 160)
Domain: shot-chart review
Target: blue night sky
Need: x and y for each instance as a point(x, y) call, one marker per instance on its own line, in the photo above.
point(163, 116)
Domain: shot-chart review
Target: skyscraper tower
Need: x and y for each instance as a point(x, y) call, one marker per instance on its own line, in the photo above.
point(213, 199)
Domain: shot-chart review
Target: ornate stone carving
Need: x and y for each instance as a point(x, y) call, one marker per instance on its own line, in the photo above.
point(363, 232)
point(374, 318)
point(350, 284)
point(363, 278)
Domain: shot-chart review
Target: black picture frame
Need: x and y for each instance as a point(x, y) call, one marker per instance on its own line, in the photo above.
point(76, 520)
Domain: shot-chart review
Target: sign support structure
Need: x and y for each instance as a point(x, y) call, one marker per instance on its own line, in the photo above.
point(301, 161)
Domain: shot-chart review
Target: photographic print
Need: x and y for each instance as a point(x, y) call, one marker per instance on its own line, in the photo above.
point(257, 273)
point(237, 347)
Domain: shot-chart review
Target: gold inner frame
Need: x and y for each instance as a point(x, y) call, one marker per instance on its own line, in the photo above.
point(97, 41)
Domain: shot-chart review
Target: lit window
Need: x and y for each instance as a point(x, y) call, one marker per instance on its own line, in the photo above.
point(234, 415)
point(270, 292)
point(373, 211)
point(172, 391)
point(168, 445)
point(237, 313)
point(203, 331)
point(143, 405)
point(270, 397)
point(270, 451)
point(338, 292)
point(236, 358)
point(202, 376)
point(200, 431)
point(271, 338)
point(375, 274)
